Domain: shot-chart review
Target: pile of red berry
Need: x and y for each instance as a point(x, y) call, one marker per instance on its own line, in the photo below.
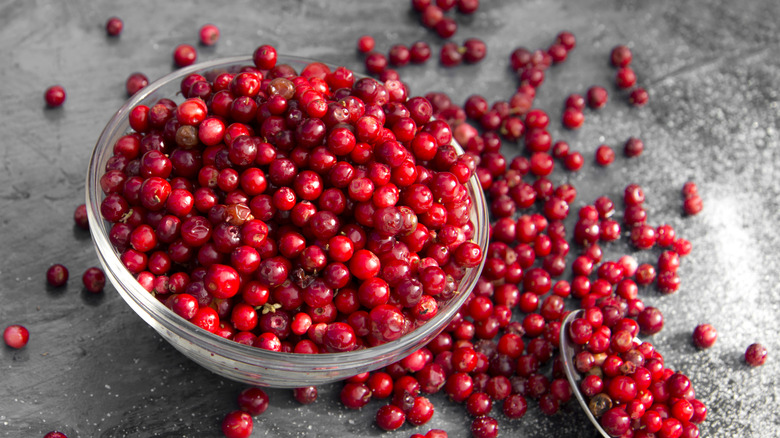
point(298, 212)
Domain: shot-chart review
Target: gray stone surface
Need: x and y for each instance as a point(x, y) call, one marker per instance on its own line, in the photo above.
point(712, 67)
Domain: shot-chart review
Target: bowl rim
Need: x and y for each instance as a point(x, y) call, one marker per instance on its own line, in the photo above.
point(125, 283)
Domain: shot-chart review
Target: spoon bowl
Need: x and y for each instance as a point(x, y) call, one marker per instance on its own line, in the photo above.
point(568, 350)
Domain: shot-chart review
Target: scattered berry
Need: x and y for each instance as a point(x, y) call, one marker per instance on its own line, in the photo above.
point(184, 55)
point(54, 96)
point(16, 336)
point(94, 280)
point(755, 355)
point(237, 424)
point(704, 336)
point(209, 34)
point(57, 275)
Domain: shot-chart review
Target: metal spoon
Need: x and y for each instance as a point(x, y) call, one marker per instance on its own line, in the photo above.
point(568, 350)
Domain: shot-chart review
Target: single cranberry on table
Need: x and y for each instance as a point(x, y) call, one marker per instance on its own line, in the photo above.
point(57, 275)
point(253, 401)
point(16, 336)
point(114, 26)
point(54, 96)
point(755, 355)
point(208, 34)
point(184, 55)
point(704, 336)
point(94, 280)
point(237, 424)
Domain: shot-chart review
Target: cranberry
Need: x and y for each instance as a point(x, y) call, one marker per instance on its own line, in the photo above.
point(253, 401)
point(184, 55)
point(484, 427)
point(620, 56)
point(514, 406)
point(135, 82)
point(475, 50)
point(625, 77)
point(54, 96)
point(755, 355)
point(57, 275)
point(365, 44)
point(237, 424)
point(94, 280)
point(596, 97)
point(114, 26)
point(650, 320)
point(305, 395)
point(450, 55)
point(638, 96)
point(605, 155)
point(209, 34)
point(693, 205)
point(704, 336)
point(615, 421)
point(390, 417)
point(633, 147)
point(16, 336)
point(55, 434)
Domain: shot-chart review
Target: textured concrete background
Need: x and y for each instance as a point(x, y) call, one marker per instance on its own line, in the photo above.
point(712, 67)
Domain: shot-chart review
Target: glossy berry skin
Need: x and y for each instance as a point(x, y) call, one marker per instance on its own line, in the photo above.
point(605, 155)
point(135, 82)
point(484, 427)
point(54, 96)
point(390, 417)
point(184, 55)
point(16, 336)
point(305, 395)
point(55, 434)
point(704, 336)
point(237, 424)
point(114, 26)
point(209, 34)
point(57, 275)
point(253, 401)
point(755, 355)
point(94, 280)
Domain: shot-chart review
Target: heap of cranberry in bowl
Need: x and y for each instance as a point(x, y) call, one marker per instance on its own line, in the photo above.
point(283, 222)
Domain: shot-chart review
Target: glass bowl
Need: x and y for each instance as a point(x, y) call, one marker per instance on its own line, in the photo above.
point(225, 357)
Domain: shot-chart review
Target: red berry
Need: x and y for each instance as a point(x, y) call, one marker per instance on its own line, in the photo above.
point(253, 401)
point(16, 336)
point(237, 424)
point(135, 82)
point(365, 44)
point(209, 34)
point(390, 417)
point(755, 355)
point(621, 56)
point(54, 96)
point(57, 275)
point(638, 97)
point(597, 97)
point(94, 280)
point(184, 55)
point(605, 155)
point(704, 336)
point(114, 26)
point(633, 147)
